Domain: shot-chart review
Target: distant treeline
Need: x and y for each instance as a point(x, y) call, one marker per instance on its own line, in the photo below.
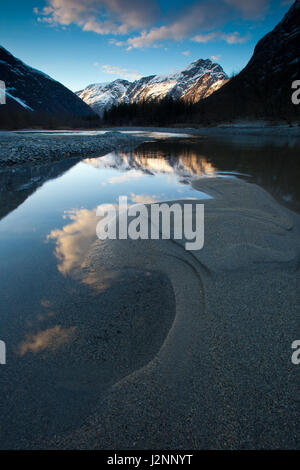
point(12, 118)
point(157, 113)
point(225, 105)
point(245, 96)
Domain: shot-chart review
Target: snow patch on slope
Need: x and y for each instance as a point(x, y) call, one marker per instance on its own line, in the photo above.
point(18, 100)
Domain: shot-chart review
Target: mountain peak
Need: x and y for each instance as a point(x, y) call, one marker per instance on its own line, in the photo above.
point(201, 62)
point(196, 81)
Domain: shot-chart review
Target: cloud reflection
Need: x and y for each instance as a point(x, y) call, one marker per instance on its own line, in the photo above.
point(50, 339)
point(143, 198)
point(131, 175)
point(74, 239)
point(73, 243)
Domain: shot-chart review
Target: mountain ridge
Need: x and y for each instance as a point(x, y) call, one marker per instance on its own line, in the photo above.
point(263, 88)
point(31, 90)
point(197, 81)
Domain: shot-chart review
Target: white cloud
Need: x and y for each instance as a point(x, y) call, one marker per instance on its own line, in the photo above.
point(123, 17)
point(100, 16)
point(235, 38)
point(122, 73)
point(230, 38)
point(117, 43)
point(118, 71)
point(203, 16)
point(200, 15)
point(204, 38)
point(186, 53)
point(250, 8)
point(215, 57)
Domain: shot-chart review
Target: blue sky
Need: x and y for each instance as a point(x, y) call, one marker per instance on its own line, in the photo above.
point(79, 42)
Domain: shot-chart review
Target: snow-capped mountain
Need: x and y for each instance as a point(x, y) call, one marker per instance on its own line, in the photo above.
point(101, 96)
point(199, 80)
point(28, 89)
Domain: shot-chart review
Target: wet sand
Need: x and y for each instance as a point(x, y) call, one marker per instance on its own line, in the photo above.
point(222, 377)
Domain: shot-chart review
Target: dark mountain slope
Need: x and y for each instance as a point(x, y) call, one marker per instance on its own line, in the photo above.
point(31, 92)
point(263, 88)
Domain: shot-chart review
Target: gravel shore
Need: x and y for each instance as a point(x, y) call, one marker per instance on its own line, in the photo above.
point(18, 149)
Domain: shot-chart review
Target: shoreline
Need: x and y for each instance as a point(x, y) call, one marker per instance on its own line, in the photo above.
point(33, 147)
point(21, 149)
point(254, 129)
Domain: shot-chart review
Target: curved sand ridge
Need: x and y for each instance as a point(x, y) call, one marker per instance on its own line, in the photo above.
point(223, 377)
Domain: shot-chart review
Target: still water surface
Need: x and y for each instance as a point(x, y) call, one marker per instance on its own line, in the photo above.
point(58, 322)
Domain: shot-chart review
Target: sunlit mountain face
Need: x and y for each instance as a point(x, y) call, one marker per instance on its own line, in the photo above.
point(197, 81)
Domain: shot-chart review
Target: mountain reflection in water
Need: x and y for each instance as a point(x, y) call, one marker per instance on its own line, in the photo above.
point(273, 167)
